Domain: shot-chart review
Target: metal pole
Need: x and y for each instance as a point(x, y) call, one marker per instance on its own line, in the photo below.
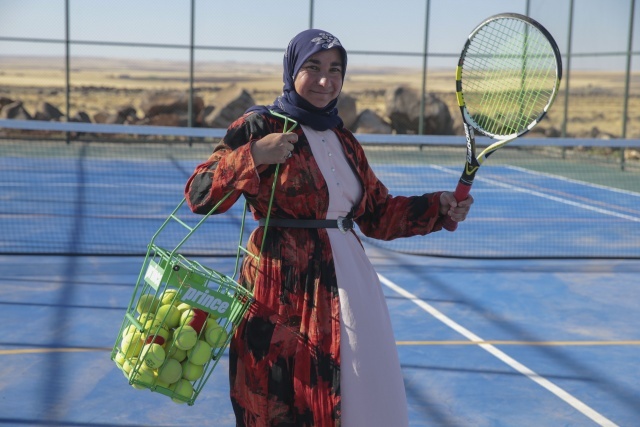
point(568, 73)
point(67, 67)
point(627, 79)
point(191, 61)
point(423, 97)
point(310, 14)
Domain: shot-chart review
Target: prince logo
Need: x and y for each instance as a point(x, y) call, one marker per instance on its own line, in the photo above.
point(212, 303)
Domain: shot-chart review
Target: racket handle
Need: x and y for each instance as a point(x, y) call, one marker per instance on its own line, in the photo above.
point(461, 193)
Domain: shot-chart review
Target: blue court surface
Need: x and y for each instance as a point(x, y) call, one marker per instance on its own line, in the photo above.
point(542, 332)
point(481, 343)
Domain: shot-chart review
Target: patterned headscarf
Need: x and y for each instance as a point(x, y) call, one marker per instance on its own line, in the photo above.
point(290, 103)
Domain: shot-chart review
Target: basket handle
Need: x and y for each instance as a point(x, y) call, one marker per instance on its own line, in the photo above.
point(289, 125)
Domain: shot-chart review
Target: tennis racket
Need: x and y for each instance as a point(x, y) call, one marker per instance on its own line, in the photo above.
point(508, 76)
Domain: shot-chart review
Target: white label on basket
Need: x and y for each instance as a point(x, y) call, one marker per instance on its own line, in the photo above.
point(153, 276)
point(210, 302)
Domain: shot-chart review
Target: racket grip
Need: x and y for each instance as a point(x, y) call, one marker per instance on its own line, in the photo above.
point(461, 193)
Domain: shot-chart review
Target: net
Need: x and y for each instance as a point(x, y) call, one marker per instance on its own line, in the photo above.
point(81, 189)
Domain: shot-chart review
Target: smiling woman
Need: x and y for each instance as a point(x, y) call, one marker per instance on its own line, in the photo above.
point(318, 350)
point(319, 81)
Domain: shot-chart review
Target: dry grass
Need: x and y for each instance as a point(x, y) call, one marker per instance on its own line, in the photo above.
point(105, 85)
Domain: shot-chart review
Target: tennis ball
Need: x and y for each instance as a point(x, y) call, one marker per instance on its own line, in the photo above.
point(182, 391)
point(130, 330)
point(200, 353)
point(129, 364)
point(153, 323)
point(190, 371)
point(215, 335)
point(157, 335)
point(185, 337)
point(144, 376)
point(153, 355)
point(163, 384)
point(169, 315)
point(131, 344)
point(170, 372)
point(183, 306)
point(195, 318)
point(144, 317)
point(119, 359)
point(169, 296)
point(176, 353)
point(147, 303)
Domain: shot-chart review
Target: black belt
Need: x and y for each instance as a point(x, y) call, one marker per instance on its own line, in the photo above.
point(343, 224)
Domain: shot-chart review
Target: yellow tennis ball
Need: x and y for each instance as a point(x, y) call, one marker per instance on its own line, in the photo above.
point(200, 353)
point(190, 371)
point(185, 337)
point(130, 330)
point(153, 355)
point(144, 317)
point(129, 364)
point(187, 316)
point(176, 353)
point(132, 344)
point(144, 376)
point(147, 303)
point(182, 391)
point(215, 335)
point(163, 384)
point(170, 372)
point(169, 296)
point(153, 323)
point(183, 306)
point(169, 315)
point(119, 359)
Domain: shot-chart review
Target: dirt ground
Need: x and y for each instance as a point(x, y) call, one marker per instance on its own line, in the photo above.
point(595, 106)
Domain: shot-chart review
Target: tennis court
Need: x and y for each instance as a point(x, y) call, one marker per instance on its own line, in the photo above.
point(542, 331)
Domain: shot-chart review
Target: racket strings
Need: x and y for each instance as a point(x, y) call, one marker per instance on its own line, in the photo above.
point(509, 76)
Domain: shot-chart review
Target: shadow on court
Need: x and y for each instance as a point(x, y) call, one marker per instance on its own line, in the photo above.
point(572, 324)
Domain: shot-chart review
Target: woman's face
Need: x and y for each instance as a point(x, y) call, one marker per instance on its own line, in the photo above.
point(319, 80)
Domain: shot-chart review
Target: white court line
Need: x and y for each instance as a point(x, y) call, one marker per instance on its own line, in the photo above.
point(549, 197)
point(573, 181)
point(500, 355)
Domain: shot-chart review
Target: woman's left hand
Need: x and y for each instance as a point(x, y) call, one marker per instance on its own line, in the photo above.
point(456, 210)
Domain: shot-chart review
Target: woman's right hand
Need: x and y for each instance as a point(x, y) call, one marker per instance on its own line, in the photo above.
point(273, 148)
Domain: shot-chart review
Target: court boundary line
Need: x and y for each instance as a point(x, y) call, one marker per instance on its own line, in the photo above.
point(525, 343)
point(572, 180)
point(503, 357)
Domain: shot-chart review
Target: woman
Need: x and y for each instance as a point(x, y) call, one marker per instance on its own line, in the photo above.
point(317, 348)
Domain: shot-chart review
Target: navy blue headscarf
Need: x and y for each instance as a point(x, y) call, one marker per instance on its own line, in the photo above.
point(301, 48)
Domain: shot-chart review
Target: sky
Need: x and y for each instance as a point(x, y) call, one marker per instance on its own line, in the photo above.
point(600, 26)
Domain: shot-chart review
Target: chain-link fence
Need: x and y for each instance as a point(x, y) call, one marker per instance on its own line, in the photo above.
point(92, 60)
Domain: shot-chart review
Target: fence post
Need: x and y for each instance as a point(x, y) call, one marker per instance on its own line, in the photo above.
point(191, 66)
point(626, 82)
point(67, 67)
point(425, 52)
point(568, 72)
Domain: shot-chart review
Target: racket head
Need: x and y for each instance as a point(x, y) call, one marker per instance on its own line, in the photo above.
point(508, 76)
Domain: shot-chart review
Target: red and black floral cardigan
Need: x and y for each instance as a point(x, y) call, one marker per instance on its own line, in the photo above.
point(284, 364)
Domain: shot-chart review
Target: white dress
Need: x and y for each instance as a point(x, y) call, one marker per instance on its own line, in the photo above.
point(371, 383)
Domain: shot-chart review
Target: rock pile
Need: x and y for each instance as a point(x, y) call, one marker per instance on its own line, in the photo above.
point(171, 108)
